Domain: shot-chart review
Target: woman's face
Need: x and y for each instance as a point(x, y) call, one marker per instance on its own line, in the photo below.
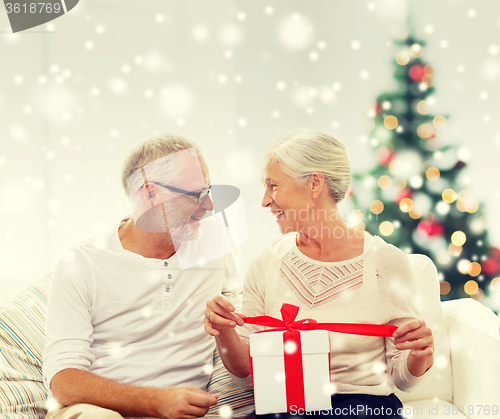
point(289, 202)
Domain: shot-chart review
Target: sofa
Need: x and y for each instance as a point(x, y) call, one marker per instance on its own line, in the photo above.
point(463, 383)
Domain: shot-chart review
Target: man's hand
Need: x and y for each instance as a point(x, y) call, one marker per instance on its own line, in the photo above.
point(72, 386)
point(184, 403)
point(416, 336)
point(220, 315)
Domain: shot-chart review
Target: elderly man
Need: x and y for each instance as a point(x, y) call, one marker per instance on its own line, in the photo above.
point(124, 333)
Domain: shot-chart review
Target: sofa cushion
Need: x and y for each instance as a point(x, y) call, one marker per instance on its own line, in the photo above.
point(438, 382)
point(22, 335)
point(234, 401)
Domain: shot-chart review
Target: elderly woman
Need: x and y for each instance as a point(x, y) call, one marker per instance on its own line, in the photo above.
point(334, 273)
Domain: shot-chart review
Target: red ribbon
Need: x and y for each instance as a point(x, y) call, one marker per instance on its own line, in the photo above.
point(294, 377)
point(289, 312)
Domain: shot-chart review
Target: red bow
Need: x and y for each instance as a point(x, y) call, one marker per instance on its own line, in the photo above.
point(289, 312)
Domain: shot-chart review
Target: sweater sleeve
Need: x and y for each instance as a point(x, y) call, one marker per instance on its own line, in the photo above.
point(253, 305)
point(253, 297)
point(69, 324)
point(400, 287)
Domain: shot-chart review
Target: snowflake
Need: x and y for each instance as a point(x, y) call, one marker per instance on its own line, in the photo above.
point(269, 10)
point(176, 100)
point(225, 412)
point(483, 95)
point(365, 75)
point(230, 34)
point(118, 86)
point(200, 33)
point(295, 32)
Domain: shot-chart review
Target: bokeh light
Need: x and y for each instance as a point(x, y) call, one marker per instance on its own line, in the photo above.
point(439, 122)
point(386, 228)
point(444, 287)
point(458, 238)
point(416, 50)
point(463, 266)
point(495, 284)
point(432, 173)
point(449, 196)
point(425, 131)
point(422, 107)
point(454, 250)
point(390, 122)
point(415, 213)
point(376, 207)
point(471, 287)
point(406, 205)
point(443, 257)
point(402, 58)
point(384, 182)
point(475, 269)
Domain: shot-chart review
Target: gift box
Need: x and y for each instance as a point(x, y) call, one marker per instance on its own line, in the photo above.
point(290, 371)
point(290, 364)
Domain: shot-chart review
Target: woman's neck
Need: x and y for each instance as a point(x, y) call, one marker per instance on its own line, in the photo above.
point(327, 237)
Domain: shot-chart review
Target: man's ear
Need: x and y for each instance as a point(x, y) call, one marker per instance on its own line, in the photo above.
point(149, 193)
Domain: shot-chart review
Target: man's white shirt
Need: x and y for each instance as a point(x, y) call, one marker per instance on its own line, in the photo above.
point(131, 319)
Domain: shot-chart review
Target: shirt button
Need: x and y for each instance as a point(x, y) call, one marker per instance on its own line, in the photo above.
point(165, 264)
point(169, 276)
point(167, 289)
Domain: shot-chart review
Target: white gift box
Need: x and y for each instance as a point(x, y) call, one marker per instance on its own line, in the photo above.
point(272, 390)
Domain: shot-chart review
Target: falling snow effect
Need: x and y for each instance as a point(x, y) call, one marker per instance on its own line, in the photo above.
point(53, 104)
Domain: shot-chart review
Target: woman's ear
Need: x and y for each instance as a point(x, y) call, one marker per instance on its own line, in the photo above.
point(316, 182)
point(149, 193)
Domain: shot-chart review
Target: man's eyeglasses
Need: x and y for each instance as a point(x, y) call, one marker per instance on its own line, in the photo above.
point(200, 196)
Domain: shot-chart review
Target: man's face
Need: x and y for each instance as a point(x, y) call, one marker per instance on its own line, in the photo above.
point(181, 212)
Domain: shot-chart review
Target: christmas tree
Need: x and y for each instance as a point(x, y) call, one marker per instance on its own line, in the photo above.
point(413, 197)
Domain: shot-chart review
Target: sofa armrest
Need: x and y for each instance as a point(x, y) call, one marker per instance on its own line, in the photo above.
point(473, 331)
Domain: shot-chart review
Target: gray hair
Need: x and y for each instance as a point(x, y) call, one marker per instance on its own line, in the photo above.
point(154, 148)
point(304, 151)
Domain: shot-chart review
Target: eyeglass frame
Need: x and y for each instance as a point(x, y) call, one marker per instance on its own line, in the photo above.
point(200, 196)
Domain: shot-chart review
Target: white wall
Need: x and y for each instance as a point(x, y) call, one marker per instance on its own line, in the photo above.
point(75, 98)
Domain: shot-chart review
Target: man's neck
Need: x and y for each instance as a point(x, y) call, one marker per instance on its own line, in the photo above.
point(149, 245)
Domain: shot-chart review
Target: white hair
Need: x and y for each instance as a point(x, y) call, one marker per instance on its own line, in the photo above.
point(151, 150)
point(304, 151)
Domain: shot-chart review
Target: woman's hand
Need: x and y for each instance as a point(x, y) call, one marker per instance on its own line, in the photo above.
point(416, 336)
point(220, 321)
point(220, 315)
